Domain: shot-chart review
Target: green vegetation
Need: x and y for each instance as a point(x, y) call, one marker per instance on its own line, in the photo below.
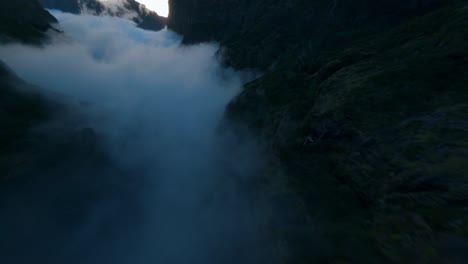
point(368, 114)
point(373, 127)
point(366, 105)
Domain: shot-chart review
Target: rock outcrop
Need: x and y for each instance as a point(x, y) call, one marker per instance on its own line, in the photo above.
point(20, 21)
point(365, 104)
point(24, 20)
point(20, 110)
point(143, 17)
point(35, 155)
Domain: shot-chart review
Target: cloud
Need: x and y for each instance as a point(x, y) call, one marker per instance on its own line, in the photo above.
point(158, 107)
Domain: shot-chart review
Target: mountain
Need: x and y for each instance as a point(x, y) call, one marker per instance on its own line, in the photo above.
point(365, 105)
point(20, 111)
point(271, 22)
point(145, 18)
point(363, 102)
point(24, 20)
point(20, 21)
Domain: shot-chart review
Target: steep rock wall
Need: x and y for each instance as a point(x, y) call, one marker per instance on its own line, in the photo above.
point(364, 102)
point(24, 20)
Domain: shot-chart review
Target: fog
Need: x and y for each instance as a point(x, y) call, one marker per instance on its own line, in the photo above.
point(157, 109)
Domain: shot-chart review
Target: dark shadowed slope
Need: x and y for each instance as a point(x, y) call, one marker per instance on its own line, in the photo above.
point(365, 103)
point(252, 31)
point(144, 17)
point(35, 161)
point(24, 20)
point(20, 111)
point(43, 199)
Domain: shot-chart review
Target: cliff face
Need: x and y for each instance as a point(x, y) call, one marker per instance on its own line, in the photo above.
point(145, 18)
point(20, 21)
point(24, 20)
point(364, 102)
point(19, 112)
point(272, 22)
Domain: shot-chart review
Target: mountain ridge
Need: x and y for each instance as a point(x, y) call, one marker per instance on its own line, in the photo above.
point(24, 20)
point(144, 18)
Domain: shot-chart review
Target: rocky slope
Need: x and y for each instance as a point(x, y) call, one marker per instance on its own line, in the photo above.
point(144, 17)
point(24, 148)
point(243, 26)
point(19, 112)
point(24, 20)
point(41, 145)
point(53, 173)
point(365, 103)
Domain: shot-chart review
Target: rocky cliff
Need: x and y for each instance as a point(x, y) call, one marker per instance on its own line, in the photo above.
point(365, 104)
point(144, 17)
point(24, 20)
point(20, 21)
point(274, 24)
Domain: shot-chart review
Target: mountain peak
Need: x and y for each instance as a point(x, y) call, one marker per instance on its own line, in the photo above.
point(142, 16)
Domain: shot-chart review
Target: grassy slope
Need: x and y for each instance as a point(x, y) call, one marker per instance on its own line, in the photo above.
point(373, 127)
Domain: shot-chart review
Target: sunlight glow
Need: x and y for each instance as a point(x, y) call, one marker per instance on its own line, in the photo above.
point(160, 6)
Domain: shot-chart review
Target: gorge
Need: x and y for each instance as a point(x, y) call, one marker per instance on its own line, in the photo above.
point(267, 131)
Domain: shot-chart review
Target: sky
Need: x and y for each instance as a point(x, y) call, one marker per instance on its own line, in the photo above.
point(160, 6)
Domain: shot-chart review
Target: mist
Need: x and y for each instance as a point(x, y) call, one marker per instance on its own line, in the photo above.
point(157, 109)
